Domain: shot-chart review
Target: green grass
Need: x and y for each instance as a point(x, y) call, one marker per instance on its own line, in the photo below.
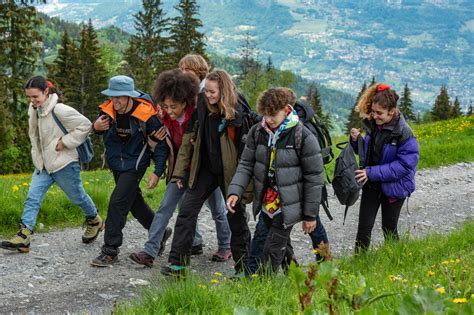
point(57, 211)
point(411, 269)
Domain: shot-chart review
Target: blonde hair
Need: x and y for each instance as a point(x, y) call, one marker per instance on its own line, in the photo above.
point(196, 63)
point(386, 97)
point(228, 94)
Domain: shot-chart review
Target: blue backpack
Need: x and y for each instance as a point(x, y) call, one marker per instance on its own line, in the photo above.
point(85, 150)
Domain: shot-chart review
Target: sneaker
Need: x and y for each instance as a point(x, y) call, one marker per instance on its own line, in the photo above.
point(173, 270)
point(93, 228)
point(222, 255)
point(142, 258)
point(19, 242)
point(166, 236)
point(197, 250)
point(104, 260)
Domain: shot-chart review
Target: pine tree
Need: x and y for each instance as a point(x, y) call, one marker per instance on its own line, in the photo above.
point(315, 102)
point(456, 109)
point(149, 50)
point(354, 120)
point(441, 109)
point(406, 105)
point(65, 72)
point(20, 44)
point(186, 37)
point(469, 110)
point(92, 75)
point(373, 81)
point(248, 60)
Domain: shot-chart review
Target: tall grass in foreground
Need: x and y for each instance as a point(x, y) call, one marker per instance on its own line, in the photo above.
point(433, 275)
point(441, 143)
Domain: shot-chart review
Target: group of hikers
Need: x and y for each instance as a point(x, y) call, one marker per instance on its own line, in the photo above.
point(212, 149)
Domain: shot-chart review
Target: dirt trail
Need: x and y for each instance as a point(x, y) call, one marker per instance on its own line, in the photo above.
point(55, 277)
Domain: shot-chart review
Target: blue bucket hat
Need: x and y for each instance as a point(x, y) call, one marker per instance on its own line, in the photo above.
point(121, 85)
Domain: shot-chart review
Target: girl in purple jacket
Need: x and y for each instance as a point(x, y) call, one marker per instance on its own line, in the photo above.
point(391, 155)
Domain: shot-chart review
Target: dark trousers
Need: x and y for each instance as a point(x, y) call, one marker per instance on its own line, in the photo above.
point(369, 205)
point(126, 197)
point(193, 199)
point(277, 244)
point(260, 235)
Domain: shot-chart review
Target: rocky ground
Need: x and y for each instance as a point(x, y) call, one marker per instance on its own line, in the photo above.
point(55, 277)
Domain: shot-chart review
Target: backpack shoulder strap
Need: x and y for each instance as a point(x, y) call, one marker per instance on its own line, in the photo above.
point(58, 122)
point(298, 138)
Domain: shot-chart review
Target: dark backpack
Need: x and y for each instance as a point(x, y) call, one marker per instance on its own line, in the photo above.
point(248, 120)
point(324, 191)
point(346, 188)
point(84, 150)
point(311, 121)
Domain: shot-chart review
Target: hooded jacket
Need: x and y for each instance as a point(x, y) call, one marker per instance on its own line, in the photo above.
point(135, 153)
point(298, 175)
point(399, 157)
point(44, 134)
point(189, 155)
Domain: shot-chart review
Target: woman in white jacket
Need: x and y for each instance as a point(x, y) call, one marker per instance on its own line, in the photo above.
point(55, 159)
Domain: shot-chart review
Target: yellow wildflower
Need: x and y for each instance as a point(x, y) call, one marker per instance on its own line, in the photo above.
point(431, 273)
point(391, 278)
point(214, 281)
point(254, 275)
point(440, 290)
point(25, 184)
point(15, 188)
point(460, 300)
point(217, 274)
point(457, 261)
point(405, 281)
point(86, 183)
point(444, 262)
point(202, 286)
point(409, 254)
point(315, 251)
point(472, 296)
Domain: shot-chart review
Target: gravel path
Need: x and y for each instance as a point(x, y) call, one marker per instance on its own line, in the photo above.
point(55, 277)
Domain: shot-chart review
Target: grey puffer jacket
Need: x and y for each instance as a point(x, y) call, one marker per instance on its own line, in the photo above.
point(299, 173)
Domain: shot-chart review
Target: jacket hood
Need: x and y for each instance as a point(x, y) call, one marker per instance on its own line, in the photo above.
point(48, 105)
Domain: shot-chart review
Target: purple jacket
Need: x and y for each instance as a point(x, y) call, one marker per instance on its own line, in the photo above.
point(400, 154)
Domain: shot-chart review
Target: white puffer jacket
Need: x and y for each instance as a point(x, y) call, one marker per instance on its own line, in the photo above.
point(44, 134)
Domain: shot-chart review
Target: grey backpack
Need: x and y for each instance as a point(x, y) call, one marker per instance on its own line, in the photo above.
point(346, 188)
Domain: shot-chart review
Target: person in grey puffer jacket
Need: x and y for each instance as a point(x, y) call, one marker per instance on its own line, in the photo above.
point(287, 179)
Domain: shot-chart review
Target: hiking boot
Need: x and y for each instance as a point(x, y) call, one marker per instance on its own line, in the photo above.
point(19, 242)
point(142, 258)
point(222, 255)
point(166, 236)
point(93, 228)
point(104, 260)
point(197, 250)
point(173, 270)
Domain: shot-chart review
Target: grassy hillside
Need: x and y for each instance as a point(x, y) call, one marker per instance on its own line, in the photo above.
point(427, 276)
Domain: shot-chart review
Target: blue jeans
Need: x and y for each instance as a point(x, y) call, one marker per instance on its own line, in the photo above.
point(172, 200)
point(258, 241)
point(69, 180)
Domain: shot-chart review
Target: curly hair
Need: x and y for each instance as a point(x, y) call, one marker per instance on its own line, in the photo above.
point(196, 63)
point(179, 86)
point(228, 94)
point(380, 94)
point(274, 100)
